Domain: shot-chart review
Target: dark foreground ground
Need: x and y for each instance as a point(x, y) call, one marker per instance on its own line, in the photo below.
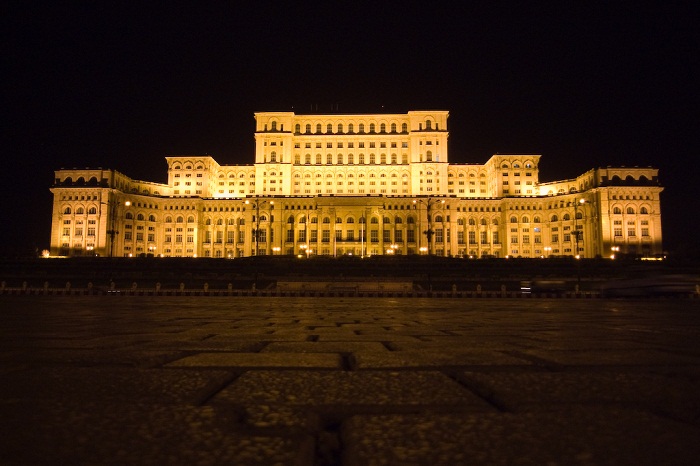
point(198, 380)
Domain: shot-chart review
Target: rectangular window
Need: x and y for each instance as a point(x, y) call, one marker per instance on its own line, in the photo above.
point(484, 237)
point(290, 236)
point(326, 236)
point(398, 236)
point(439, 235)
point(241, 236)
point(350, 235)
point(314, 236)
point(374, 236)
point(411, 236)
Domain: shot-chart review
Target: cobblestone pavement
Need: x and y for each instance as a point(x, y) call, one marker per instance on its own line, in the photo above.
point(303, 381)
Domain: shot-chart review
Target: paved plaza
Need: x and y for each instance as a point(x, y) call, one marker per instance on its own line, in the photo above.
point(348, 381)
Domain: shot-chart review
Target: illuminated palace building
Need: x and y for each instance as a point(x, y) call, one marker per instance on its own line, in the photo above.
point(356, 185)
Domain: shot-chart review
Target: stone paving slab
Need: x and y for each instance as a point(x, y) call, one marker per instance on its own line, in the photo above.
point(108, 384)
point(261, 360)
point(247, 346)
point(139, 434)
point(673, 395)
point(616, 357)
point(137, 357)
point(378, 389)
point(434, 359)
point(587, 436)
point(324, 347)
point(230, 338)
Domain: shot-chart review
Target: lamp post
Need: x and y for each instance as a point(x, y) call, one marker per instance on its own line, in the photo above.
point(578, 234)
point(256, 230)
point(112, 232)
point(429, 232)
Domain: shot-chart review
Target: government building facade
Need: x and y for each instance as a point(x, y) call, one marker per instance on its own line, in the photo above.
point(359, 185)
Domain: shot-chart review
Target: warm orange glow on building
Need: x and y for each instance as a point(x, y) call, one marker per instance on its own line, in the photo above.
point(361, 185)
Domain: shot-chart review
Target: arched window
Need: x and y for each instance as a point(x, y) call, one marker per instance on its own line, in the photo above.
point(274, 126)
point(297, 159)
point(617, 210)
point(555, 218)
point(66, 211)
point(428, 124)
point(579, 215)
point(350, 220)
point(371, 128)
point(338, 220)
point(190, 219)
point(374, 220)
point(398, 220)
point(362, 127)
point(472, 222)
point(495, 221)
point(438, 218)
point(404, 127)
point(241, 221)
point(180, 220)
point(297, 128)
point(386, 220)
point(207, 221)
point(643, 210)
point(221, 221)
point(630, 210)
point(483, 221)
point(393, 127)
point(429, 156)
point(318, 128)
point(410, 220)
point(536, 220)
point(290, 219)
point(526, 220)
point(329, 128)
point(513, 219)
point(460, 221)
point(326, 220)
point(168, 219)
point(151, 218)
point(382, 128)
point(566, 217)
point(92, 211)
point(308, 128)
point(351, 128)
point(340, 128)
point(273, 156)
point(129, 216)
point(79, 211)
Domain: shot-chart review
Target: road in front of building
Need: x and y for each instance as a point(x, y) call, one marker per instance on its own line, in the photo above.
point(351, 381)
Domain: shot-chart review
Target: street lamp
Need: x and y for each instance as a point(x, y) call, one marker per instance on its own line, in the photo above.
point(112, 232)
point(614, 249)
point(429, 232)
point(578, 234)
point(256, 231)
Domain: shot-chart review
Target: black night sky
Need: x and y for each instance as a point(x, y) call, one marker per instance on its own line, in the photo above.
point(91, 85)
